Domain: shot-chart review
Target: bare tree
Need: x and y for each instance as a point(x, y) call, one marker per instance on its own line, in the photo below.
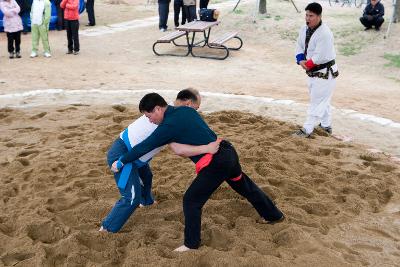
point(396, 15)
point(262, 8)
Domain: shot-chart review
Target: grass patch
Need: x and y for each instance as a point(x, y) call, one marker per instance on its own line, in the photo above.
point(278, 18)
point(394, 60)
point(289, 35)
point(350, 49)
point(238, 11)
point(395, 79)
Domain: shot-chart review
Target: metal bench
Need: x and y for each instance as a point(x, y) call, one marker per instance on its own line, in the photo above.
point(219, 42)
point(170, 37)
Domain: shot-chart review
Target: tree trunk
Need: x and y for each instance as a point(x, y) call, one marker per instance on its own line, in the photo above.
point(396, 17)
point(262, 8)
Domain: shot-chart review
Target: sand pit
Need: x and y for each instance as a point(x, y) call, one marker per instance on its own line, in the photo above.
point(341, 200)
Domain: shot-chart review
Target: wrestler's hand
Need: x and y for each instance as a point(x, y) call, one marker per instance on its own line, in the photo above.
point(213, 147)
point(303, 64)
point(114, 167)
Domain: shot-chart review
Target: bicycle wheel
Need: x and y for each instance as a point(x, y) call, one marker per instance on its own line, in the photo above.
point(360, 3)
point(335, 3)
point(346, 2)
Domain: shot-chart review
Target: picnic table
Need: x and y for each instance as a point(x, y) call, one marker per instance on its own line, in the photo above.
point(191, 45)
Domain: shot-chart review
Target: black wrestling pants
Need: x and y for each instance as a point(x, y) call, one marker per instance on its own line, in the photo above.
point(224, 166)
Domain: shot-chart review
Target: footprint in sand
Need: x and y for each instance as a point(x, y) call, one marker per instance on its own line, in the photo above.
point(47, 232)
point(24, 162)
point(68, 135)
point(13, 258)
point(6, 227)
point(28, 152)
point(5, 112)
point(288, 236)
point(318, 209)
point(383, 167)
point(101, 116)
point(66, 109)
point(382, 233)
point(119, 118)
point(38, 116)
point(119, 108)
point(27, 129)
point(217, 239)
point(360, 246)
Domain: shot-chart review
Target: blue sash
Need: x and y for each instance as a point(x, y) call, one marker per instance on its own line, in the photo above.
point(127, 168)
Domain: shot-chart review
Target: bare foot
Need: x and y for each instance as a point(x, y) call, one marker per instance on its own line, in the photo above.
point(102, 229)
point(142, 206)
point(263, 221)
point(182, 248)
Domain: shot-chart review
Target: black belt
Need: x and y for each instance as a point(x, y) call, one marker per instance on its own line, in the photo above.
point(328, 65)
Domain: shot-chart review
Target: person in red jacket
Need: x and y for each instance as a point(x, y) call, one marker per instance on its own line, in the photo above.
point(71, 17)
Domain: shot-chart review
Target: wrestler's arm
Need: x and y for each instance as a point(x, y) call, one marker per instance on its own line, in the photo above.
point(189, 150)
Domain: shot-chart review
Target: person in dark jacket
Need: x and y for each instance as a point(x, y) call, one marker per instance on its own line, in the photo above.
point(90, 12)
point(204, 3)
point(60, 16)
point(163, 10)
point(25, 6)
point(373, 15)
point(178, 6)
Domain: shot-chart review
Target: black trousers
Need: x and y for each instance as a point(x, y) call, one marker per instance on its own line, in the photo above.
point(60, 17)
point(190, 12)
point(223, 167)
point(90, 12)
point(14, 38)
point(377, 22)
point(72, 27)
point(204, 3)
point(163, 10)
point(178, 6)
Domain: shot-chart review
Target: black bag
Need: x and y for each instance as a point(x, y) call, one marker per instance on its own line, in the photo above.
point(206, 14)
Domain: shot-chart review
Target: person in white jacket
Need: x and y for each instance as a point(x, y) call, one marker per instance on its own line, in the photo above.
point(315, 53)
point(40, 20)
point(12, 26)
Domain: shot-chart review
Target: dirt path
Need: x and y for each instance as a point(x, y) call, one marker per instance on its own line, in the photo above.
point(264, 67)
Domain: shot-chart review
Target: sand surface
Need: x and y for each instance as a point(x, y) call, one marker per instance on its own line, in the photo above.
point(341, 198)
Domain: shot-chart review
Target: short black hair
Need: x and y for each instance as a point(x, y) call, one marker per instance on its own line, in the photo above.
point(187, 94)
point(314, 8)
point(150, 101)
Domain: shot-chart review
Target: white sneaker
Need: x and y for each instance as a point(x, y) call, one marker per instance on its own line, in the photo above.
point(46, 54)
point(34, 54)
point(163, 30)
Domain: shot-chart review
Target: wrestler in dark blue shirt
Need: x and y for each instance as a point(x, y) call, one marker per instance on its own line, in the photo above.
point(180, 125)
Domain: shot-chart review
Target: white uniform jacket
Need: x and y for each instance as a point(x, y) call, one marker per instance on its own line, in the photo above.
point(138, 131)
point(321, 47)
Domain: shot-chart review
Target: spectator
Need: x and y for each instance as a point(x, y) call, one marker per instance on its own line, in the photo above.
point(71, 17)
point(90, 12)
point(373, 15)
point(190, 9)
point(12, 26)
point(178, 6)
point(204, 3)
point(163, 10)
point(60, 16)
point(25, 9)
point(40, 20)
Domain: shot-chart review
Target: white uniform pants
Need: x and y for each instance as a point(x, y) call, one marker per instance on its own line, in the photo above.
point(319, 110)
